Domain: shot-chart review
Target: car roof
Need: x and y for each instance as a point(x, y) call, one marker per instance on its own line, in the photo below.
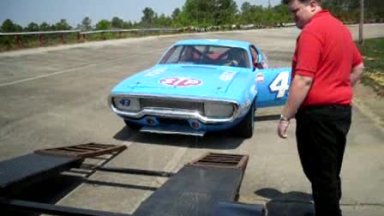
point(216, 42)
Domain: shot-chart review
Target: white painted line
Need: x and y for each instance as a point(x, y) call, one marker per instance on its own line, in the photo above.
point(169, 167)
point(126, 143)
point(59, 72)
point(175, 161)
point(45, 75)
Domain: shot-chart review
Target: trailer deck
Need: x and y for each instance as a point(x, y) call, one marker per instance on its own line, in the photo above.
point(208, 186)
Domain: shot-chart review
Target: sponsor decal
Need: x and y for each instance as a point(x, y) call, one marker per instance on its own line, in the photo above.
point(154, 72)
point(227, 76)
point(259, 77)
point(253, 90)
point(181, 82)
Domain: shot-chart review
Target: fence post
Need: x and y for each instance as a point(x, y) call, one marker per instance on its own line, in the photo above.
point(19, 42)
point(41, 39)
point(62, 38)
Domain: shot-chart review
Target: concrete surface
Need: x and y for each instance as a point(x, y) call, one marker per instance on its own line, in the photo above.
point(53, 97)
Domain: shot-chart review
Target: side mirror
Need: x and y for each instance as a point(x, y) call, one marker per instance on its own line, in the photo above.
point(257, 65)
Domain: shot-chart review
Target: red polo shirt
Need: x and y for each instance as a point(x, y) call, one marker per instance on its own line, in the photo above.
point(325, 51)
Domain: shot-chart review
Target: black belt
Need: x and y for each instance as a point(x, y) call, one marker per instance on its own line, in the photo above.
point(323, 107)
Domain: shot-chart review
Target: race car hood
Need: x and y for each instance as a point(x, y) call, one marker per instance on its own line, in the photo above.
point(181, 81)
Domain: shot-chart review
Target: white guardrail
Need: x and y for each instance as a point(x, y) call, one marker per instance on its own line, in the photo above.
point(81, 35)
point(90, 32)
point(38, 32)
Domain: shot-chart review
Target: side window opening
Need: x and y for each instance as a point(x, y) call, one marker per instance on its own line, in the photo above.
point(256, 60)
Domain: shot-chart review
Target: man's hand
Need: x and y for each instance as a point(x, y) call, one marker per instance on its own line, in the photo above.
point(298, 91)
point(356, 73)
point(282, 128)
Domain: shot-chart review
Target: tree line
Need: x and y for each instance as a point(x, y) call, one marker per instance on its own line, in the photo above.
point(205, 13)
point(349, 10)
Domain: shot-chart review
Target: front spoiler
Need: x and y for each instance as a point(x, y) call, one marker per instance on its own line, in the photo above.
point(173, 130)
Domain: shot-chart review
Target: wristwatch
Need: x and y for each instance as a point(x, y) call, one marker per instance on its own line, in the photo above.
point(283, 118)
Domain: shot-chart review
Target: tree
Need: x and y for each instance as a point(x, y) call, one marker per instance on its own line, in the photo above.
point(175, 13)
point(199, 12)
point(209, 12)
point(163, 21)
point(103, 25)
point(45, 27)
point(128, 25)
point(149, 16)
point(117, 23)
point(62, 25)
point(246, 6)
point(9, 26)
point(225, 11)
point(283, 14)
point(32, 27)
point(86, 24)
point(251, 14)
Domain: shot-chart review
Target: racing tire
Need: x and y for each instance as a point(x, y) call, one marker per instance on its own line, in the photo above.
point(131, 125)
point(245, 127)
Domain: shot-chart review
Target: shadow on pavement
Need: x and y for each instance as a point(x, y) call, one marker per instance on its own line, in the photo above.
point(49, 191)
point(287, 204)
point(212, 140)
point(267, 118)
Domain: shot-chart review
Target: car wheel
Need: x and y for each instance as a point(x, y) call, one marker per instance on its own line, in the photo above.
point(246, 126)
point(132, 125)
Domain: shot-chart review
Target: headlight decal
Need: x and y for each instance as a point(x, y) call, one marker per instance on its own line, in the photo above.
point(218, 110)
point(126, 103)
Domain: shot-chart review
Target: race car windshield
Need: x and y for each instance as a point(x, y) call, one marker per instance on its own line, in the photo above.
point(207, 55)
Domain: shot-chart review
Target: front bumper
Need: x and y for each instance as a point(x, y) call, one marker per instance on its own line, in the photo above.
point(173, 113)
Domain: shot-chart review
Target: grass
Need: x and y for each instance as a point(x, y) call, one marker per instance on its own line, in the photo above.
point(373, 54)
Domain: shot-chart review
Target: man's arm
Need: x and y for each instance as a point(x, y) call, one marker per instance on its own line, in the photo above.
point(356, 73)
point(298, 92)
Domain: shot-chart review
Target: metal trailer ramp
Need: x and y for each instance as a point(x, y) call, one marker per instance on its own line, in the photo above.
point(23, 171)
point(208, 186)
point(30, 168)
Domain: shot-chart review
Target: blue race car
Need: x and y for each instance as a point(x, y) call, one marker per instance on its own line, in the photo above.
point(199, 86)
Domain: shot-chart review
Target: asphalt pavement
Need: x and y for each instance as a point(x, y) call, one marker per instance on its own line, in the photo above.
point(57, 96)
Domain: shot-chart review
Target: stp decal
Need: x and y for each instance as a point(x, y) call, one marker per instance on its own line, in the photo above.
point(181, 82)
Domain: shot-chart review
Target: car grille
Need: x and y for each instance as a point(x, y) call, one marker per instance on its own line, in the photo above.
point(172, 104)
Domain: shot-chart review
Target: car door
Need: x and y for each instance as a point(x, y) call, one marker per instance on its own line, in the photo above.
point(272, 86)
point(272, 83)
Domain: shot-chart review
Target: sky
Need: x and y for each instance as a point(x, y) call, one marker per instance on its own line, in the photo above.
point(23, 12)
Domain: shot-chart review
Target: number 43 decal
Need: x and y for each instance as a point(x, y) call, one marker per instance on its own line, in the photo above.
point(280, 84)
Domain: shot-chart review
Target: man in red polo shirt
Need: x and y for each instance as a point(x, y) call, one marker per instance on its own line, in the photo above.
point(325, 66)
